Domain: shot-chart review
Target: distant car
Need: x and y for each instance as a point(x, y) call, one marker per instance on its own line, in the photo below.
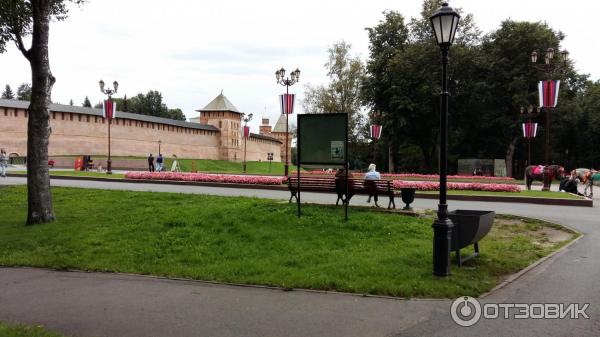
point(51, 163)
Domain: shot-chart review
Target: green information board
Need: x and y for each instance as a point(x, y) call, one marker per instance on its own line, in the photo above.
point(322, 138)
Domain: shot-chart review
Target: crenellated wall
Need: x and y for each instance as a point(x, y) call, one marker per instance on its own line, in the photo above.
point(80, 131)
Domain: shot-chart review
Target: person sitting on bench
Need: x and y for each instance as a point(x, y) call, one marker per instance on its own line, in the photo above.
point(370, 177)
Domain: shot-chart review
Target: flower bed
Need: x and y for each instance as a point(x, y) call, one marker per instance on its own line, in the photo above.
point(435, 186)
point(207, 177)
point(417, 176)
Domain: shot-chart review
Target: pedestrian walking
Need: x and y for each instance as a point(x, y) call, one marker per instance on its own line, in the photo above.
point(175, 166)
point(150, 163)
point(159, 163)
point(3, 163)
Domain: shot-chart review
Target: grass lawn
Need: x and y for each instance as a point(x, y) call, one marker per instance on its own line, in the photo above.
point(223, 166)
point(9, 330)
point(80, 174)
point(257, 241)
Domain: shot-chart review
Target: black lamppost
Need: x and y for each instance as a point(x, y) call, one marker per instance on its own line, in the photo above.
point(529, 128)
point(159, 142)
point(109, 92)
point(246, 119)
point(444, 23)
point(287, 82)
point(547, 69)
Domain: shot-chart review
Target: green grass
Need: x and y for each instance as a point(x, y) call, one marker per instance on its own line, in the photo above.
point(254, 241)
point(9, 330)
point(222, 166)
point(80, 174)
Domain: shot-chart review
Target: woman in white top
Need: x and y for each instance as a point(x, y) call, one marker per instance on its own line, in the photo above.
point(372, 174)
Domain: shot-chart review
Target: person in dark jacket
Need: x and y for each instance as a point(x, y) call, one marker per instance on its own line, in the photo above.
point(150, 163)
point(159, 163)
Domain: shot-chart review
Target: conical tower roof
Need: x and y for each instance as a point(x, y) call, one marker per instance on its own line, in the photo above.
point(220, 103)
point(280, 125)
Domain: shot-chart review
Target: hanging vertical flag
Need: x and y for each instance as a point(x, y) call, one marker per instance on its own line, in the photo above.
point(529, 129)
point(109, 109)
point(286, 102)
point(246, 132)
point(548, 92)
point(375, 131)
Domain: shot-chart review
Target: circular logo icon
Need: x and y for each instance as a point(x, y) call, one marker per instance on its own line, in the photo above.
point(465, 311)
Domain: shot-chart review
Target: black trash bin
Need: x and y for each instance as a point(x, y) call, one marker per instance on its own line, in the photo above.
point(470, 227)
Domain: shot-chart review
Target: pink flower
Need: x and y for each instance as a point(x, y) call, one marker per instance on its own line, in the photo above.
point(435, 186)
point(207, 177)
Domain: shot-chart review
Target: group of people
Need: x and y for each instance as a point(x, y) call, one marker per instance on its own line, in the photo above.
point(370, 176)
point(160, 164)
point(3, 163)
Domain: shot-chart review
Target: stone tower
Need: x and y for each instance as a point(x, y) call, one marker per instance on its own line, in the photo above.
point(228, 119)
point(279, 133)
point(265, 128)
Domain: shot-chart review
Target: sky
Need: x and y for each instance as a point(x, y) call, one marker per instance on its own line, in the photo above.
point(191, 50)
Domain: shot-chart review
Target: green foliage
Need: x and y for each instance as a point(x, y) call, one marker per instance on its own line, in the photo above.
point(86, 103)
point(16, 19)
point(228, 239)
point(150, 104)
point(8, 93)
point(342, 93)
point(20, 330)
point(490, 79)
point(24, 92)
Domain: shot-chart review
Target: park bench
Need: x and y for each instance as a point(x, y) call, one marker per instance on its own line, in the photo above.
point(338, 186)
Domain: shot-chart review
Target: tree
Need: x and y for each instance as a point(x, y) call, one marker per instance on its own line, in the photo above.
point(71, 102)
point(24, 92)
point(18, 19)
point(402, 83)
point(150, 104)
point(342, 93)
point(8, 93)
point(86, 103)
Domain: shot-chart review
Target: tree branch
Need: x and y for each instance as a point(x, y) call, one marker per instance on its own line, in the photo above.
point(21, 46)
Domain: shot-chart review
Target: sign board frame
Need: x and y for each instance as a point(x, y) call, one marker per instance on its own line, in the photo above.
point(324, 123)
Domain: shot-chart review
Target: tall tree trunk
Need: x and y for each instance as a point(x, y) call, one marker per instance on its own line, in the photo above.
point(38, 128)
point(510, 153)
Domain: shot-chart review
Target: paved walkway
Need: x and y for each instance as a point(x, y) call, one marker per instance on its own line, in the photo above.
point(90, 304)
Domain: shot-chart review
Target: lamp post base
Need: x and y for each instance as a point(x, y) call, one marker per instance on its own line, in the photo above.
point(286, 170)
point(546, 178)
point(442, 241)
point(244, 168)
point(109, 166)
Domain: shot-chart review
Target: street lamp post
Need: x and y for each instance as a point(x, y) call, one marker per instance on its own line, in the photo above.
point(109, 92)
point(547, 69)
point(159, 142)
point(444, 23)
point(287, 82)
point(246, 119)
point(529, 128)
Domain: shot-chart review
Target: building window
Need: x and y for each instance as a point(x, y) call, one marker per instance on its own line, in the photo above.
point(87, 118)
point(5, 112)
point(79, 117)
point(71, 117)
point(26, 113)
point(62, 116)
point(95, 119)
point(16, 113)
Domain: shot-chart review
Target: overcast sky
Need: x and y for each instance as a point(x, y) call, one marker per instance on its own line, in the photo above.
point(191, 50)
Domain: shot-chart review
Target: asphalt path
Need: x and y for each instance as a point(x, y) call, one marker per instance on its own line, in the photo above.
point(93, 304)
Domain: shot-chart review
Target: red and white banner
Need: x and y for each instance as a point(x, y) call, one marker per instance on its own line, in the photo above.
point(286, 102)
point(246, 132)
point(548, 92)
point(375, 131)
point(529, 129)
point(109, 109)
